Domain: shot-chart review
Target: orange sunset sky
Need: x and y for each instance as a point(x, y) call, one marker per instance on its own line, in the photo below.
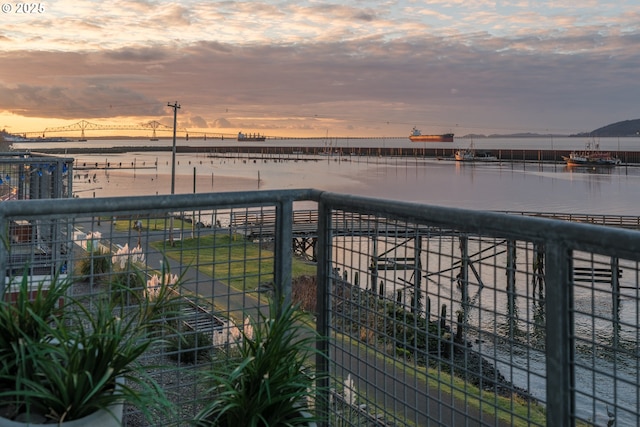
point(317, 68)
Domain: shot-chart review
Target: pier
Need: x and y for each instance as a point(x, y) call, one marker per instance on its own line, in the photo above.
point(301, 152)
point(260, 225)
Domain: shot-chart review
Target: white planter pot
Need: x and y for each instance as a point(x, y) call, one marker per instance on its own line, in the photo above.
point(101, 418)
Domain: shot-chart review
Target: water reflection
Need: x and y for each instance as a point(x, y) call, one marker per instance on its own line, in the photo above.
point(486, 185)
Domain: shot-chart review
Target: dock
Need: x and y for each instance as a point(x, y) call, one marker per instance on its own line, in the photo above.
point(299, 152)
point(260, 225)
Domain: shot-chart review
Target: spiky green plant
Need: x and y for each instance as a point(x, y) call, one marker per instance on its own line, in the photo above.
point(25, 310)
point(96, 263)
point(123, 284)
point(270, 383)
point(83, 357)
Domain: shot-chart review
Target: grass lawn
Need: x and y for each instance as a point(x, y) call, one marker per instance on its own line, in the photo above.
point(230, 259)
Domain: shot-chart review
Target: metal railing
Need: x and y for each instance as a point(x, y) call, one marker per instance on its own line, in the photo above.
point(25, 175)
point(436, 316)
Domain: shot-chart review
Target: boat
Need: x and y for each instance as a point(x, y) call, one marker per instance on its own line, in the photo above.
point(591, 156)
point(329, 148)
point(484, 156)
point(417, 136)
point(250, 137)
point(464, 155)
point(470, 154)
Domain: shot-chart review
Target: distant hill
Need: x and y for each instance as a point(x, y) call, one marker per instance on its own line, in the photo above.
point(511, 135)
point(624, 128)
point(619, 129)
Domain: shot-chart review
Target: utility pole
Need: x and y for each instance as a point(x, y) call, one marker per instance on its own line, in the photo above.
point(175, 107)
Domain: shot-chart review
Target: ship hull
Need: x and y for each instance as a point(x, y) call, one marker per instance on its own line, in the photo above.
point(432, 138)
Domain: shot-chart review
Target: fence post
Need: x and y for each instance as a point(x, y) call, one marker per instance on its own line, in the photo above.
point(283, 251)
point(559, 335)
point(323, 302)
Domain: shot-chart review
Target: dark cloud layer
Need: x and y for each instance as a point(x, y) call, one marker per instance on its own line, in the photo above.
point(361, 84)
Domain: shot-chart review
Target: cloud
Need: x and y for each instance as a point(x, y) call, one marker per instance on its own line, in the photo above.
point(80, 101)
point(136, 54)
point(197, 122)
point(221, 123)
point(335, 65)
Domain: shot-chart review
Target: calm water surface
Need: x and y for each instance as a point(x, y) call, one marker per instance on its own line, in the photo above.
point(495, 186)
point(491, 186)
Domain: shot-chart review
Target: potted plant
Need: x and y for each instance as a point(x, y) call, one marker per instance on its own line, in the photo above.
point(266, 379)
point(70, 360)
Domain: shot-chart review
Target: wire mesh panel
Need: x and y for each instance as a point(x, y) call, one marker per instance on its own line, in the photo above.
point(436, 324)
point(219, 263)
point(605, 330)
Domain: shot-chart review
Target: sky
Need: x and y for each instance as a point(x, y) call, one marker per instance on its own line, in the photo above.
point(320, 68)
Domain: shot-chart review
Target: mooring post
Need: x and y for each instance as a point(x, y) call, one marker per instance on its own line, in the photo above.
point(374, 261)
point(416, 305)
point(443, 318)
point(615, 301)
point(463, 276)
point(538, 271)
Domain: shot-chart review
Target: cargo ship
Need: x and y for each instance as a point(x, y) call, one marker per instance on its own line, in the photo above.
point(417, 136)
point(250, 137)
point(8, 137)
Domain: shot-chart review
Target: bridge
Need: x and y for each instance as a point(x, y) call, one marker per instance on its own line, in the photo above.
point(154, 126)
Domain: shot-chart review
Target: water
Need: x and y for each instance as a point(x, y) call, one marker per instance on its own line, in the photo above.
point(495, 186)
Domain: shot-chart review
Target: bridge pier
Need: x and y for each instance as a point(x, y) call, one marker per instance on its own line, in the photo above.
point(305, 247)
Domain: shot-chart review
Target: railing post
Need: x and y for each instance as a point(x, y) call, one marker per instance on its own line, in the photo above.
point(323, 309)
point(4, 247)
point(283, 251)
point(560, 335)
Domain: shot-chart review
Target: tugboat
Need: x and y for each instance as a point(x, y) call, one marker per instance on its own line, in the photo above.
point(417, 136)
point(591, 156)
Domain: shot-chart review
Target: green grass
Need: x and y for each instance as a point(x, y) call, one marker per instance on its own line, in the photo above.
point(230, 259)
point(150, 224)
point(524, 413)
